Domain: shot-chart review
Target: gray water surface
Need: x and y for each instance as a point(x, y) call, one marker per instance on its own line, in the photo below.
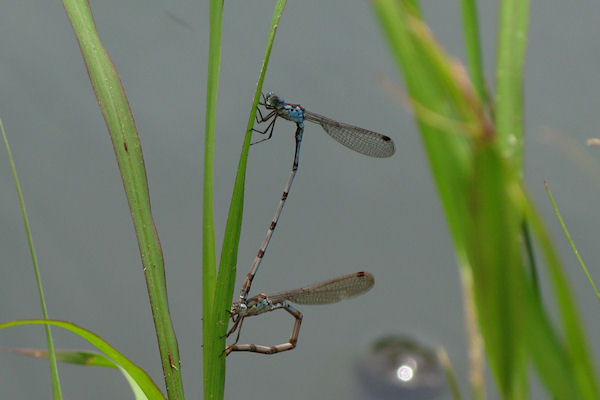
point(346, 212)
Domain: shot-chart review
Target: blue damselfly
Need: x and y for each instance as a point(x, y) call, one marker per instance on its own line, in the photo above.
point(361, 140)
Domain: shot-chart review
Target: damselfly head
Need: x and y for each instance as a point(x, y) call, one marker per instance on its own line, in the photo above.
point(273, 101)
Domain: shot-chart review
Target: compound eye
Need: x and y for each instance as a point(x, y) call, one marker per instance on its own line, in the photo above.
point(272, 100)
point(242, 308)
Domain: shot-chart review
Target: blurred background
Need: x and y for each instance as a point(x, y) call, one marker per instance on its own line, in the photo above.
point(346, 212)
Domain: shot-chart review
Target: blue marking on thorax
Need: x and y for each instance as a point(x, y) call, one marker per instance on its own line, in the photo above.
point(294, 114)
point(260, 304)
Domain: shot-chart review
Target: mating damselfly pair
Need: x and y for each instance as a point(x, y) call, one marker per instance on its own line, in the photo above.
point(361, 140)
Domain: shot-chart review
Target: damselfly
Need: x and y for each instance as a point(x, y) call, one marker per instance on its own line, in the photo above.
point(358, 139)
point(325, 292)
point(361, 140)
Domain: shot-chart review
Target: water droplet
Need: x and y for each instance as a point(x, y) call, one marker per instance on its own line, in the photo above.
point(398, 366)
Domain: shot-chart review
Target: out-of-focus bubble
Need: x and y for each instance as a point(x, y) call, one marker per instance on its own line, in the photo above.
point(399, 367)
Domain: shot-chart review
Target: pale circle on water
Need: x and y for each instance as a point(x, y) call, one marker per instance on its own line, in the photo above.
point(397, 367)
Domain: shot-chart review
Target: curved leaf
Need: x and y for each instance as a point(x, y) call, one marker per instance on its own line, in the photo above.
point(137, 374)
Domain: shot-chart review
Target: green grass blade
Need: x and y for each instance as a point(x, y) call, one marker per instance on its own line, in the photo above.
point(447, 144)
point(56, 390)
point(476, 182)
point(447, 153)
point(136, 373)
point(135, 388)
point(548, 353)
point(449, 372)
point(477, 168)
point(215, 341)
point(76, 357)
point(577, 349)
point(126, 143)
point(473, 48)
point(512, 45)
point(209, 272)
point(498, 269)
point(86, 358)
point(209, 257)
point(568, 236)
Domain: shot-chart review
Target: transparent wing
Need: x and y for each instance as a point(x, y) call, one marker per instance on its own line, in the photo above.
point(361, 140)
point(330, 291)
